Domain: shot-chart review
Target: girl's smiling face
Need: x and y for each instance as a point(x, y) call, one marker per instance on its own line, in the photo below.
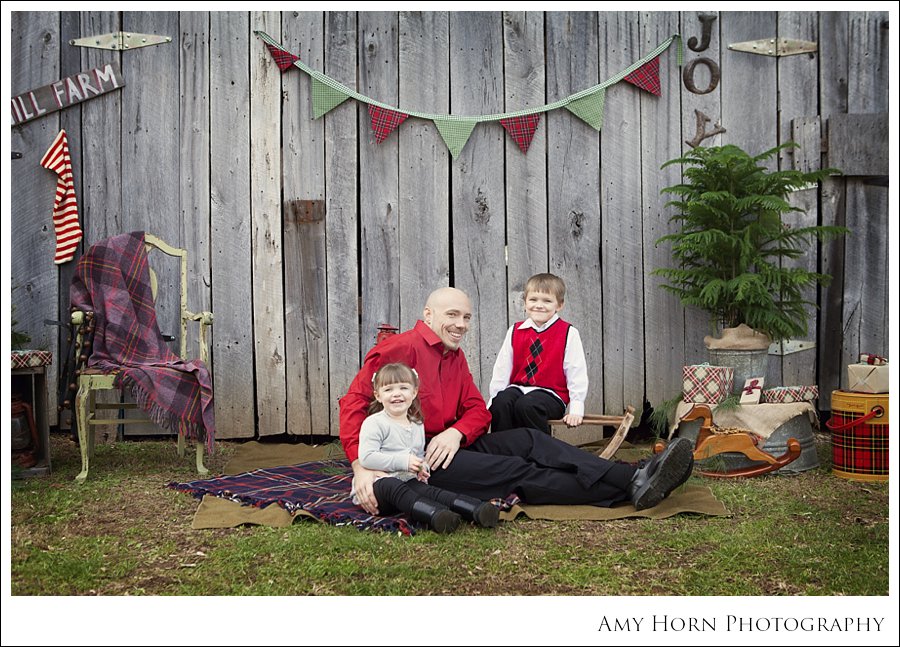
point(396, 398)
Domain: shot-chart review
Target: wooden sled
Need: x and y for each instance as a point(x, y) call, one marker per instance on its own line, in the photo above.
point(711, 441)
point(583, 436)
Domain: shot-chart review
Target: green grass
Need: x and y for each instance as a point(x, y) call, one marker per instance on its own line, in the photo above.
point(123, 532)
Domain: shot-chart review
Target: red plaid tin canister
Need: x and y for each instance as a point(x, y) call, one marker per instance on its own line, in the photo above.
point(859, 435)
point(706, 384)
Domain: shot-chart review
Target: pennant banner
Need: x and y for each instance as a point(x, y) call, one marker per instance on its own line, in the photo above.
point(521, 129)
point(455, 131)
point(283, 59)
point(646, 77)
point(590, 108)
point(385, 121)
point(325, 98)
point(587, 105)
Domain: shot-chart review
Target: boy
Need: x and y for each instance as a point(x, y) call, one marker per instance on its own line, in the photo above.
point(540, 369)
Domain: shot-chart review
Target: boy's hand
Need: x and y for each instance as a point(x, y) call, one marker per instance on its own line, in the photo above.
point(572, 420)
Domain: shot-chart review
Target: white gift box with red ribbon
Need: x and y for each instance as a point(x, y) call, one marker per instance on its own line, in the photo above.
point(789, 394)
point(868, 378)
point(706, 384)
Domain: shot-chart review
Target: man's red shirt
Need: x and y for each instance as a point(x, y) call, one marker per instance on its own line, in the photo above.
point(447, 391)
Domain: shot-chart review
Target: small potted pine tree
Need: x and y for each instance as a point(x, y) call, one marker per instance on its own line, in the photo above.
point(731, 247)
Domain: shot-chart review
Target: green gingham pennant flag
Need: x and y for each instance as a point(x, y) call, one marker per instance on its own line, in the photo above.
point(455, 131)
point(590, 108)
point(325, 98)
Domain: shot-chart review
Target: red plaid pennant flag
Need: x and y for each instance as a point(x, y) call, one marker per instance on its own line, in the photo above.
point(522, 129)
point(646, 77)
point(707, 384)
point(283, 59)
point(385, 121)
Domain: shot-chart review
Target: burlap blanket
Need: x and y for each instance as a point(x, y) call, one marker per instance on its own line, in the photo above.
point(218, 512)
point(112, 280)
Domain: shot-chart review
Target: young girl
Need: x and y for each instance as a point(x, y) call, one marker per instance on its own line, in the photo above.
point(392, 439)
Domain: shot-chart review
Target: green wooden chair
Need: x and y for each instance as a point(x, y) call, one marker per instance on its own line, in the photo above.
point(91, 380)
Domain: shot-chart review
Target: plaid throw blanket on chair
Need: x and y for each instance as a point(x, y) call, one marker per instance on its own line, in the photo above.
point(112, 280)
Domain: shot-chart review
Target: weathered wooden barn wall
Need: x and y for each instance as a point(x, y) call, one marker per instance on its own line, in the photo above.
point(305, 234)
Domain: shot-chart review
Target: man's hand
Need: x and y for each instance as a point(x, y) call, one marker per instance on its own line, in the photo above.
point(572, 420)
point(362, 485)
point(443, 447)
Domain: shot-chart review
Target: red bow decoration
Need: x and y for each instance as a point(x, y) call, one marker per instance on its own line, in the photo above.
point(875, 360)
point(753, 386)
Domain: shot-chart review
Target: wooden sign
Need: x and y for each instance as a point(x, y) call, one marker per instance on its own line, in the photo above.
point(66, 92)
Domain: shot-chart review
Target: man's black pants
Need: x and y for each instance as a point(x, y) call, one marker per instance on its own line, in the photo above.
point(537, 467)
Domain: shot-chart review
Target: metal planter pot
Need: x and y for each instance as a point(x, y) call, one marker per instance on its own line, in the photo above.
point(746, 364)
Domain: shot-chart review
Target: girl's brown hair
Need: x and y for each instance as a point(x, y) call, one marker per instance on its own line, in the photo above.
point(392, 374)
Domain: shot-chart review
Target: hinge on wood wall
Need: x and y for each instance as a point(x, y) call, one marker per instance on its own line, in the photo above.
point(120, 40)
point(775, 46)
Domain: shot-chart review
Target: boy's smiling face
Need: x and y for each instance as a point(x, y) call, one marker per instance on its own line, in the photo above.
point(541, 306)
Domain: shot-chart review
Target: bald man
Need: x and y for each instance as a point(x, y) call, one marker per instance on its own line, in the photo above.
point(464, 457)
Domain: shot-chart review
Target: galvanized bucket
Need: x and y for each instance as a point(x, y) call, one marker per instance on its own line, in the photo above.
point(797, 427)
point(746, 364)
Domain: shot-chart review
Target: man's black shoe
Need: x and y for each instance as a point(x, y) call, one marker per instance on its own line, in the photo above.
point(663, 473)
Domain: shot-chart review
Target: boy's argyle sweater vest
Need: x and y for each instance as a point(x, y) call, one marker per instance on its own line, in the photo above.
point(538, 357)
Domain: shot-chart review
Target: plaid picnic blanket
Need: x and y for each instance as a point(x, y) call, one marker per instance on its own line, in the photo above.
point(320, 488)
point(112, 280)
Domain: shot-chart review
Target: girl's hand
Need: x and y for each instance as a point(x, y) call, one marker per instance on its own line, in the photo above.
point(419, 467)
point(572, 420)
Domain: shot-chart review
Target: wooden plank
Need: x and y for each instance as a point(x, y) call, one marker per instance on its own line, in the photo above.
point(858, 144)
point(378, 178)
point(150, 165)
point(424, 162)
point(702, 71)
point(478, 207)
point(150, 150)
point(621, 248)
point(193, 37)
point(798, 85)
point(101, 197)
point(230, 262)
point(833, 70)
point(744, 75)
point(865, 315)
point(35, 46)
point(573, 166)
point(661, 140)
point(101, 145)
point(305, 308)
point(266, 228)
point(342, 219)
point(70, 121)
point(526, 174)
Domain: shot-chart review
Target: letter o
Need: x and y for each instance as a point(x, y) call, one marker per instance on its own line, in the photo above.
point(688, 75)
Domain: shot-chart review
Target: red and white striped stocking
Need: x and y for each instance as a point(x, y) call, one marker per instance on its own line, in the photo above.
point(65, 207)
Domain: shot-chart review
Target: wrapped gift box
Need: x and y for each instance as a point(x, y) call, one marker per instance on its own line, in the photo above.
point(706, 384)
point(788, 394)
point(31, 358)
point(867, 378)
